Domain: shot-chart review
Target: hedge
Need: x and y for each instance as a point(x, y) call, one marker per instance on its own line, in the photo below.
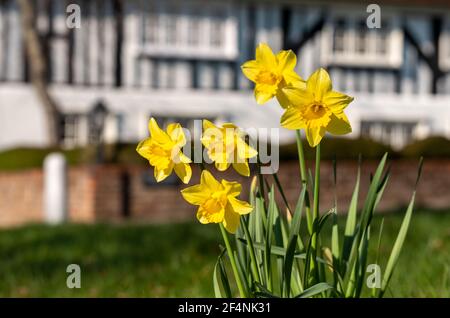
point(339, 148)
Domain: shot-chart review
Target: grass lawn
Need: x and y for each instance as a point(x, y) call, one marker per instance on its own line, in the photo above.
point(177, 260)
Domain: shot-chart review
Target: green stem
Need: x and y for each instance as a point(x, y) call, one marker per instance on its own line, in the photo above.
point(303, 177)
point(233, 262)
point(314, 239)
point(254, 263)
point(316, 184)
point(301, 157)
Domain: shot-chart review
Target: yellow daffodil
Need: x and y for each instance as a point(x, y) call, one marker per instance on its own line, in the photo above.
point(163, 150)
point(271, 73)
point(217, 201)
point(226, 146)
point(316, 108)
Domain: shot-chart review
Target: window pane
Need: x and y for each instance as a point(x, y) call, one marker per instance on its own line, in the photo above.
point(171, 29)
point(338, 38)
point(193, 31)
point(361, 37)
point(151, 28)
point(216, 34)
point(382, 42)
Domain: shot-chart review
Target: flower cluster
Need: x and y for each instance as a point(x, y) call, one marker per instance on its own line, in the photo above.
point(311, 105)
point(225, 146)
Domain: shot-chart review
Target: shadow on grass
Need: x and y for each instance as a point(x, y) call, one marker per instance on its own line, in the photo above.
point(177, 260)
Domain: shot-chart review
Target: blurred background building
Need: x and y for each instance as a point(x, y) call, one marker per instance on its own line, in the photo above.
point(180, 60)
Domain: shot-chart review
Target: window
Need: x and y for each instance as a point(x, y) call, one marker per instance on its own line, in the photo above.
point(193, 32)
point(151, 29)
point(394, 133)
point(361, 38)
point(189, 32)
point(171, 30)
point(72, 130)
point(216, 33)
point(338, 40)
point(347, 41)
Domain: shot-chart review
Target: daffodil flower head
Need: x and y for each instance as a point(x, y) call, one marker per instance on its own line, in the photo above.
point(316, 108)
point(271, 73)
point(163, 151)
point(226, 146)
point(217, 201)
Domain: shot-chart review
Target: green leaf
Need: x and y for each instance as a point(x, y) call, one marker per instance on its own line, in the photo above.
point(268, 242)
point(374, 290)
point(219, 272)
point(395, 253)
point(289, 259)
point(262, 291)
point(350, 225)
point(352, 265)
point(280, 188)
point(310, 258)
point(314, 290)
point(293, 241)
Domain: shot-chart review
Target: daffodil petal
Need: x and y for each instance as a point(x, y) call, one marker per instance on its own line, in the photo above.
point(263, 92)
point(297, 96)
point(233, 188)
point(292, 78)
point(239, 206)
point(314, 135)
point(251, 69)
point(157, 133)
point(209, 181)
point(336, 101)
point(286, 60)
point(184, 172)
point(208, 125)
point(143, 148)
point(339, 125)
point(176, 133)
point(242, 169)
point(265, 56)
point(196, 194)
point(292, 119)
point(282, 99)
point(244, 150)
point(161, 174)
point(231, 220)
point(222, 166)
point(319, 83)
point(206, 217)
point(182, 158)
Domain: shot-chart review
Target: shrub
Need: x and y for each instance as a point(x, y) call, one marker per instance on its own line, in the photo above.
point(341, 148)
point(432, 147)
point(27, 158)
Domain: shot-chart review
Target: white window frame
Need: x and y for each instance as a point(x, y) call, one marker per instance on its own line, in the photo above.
point(393, 58)
point(183, 13)
point(444, 45)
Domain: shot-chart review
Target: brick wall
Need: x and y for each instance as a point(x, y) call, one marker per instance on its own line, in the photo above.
point(113, 193)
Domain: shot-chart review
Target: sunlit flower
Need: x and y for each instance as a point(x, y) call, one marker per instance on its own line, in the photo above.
point(226, 146)
point(316, 108)
point(271, 73)
point(217, 201)
point(163, 150)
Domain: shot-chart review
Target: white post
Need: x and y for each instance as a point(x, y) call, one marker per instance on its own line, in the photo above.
point(55, 188)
